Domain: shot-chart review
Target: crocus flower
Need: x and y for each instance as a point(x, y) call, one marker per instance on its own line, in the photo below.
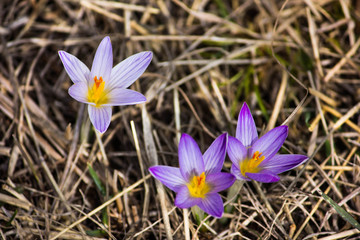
point(105, 86)
point(255, 158)
point(198, 180)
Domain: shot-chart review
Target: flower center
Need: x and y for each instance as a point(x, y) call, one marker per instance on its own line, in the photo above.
point(251, 165)
point(96, 93)
point(198, 186)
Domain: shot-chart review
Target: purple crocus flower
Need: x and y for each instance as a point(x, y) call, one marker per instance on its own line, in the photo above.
point(198, 180)
point(105, 86)
point(255, 158)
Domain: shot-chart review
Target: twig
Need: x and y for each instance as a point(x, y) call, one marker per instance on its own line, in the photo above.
point(99, 208)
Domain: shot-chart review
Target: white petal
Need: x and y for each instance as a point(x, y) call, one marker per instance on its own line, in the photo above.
point(78, 91)
point(100, 117)
point(103, 60)
point(120, 97)
point(129, 70)
point(76, 69)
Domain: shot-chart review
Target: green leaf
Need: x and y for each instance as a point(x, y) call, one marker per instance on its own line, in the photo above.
point(105, 217)
point(304, 60)
point(96, 233)
point(97, 181)
point(344, 214)
point(261, 103)
point(221, 7)
point(8, 224)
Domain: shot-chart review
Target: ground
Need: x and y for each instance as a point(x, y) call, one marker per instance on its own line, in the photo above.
point(293, 62)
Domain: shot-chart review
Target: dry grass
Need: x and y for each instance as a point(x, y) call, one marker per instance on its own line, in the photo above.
point(209, 57)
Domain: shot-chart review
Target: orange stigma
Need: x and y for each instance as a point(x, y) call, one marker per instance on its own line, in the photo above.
point(97, 93)
point(251, 165)
point(98, 81)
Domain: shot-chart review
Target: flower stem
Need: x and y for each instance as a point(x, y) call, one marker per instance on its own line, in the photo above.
point(231, 197)
point(198, 214)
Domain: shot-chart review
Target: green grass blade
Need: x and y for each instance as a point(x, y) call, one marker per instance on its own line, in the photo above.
point(261, 103)
point(97, 181)
point(96, 233)
point(8, 224)
point(344, 214)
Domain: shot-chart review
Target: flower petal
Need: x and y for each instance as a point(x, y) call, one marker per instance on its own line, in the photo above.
point(237, 173)
point(79, 91)
point(76, 69)
point(129, 70)
point(190, 158)
point(264, 176)
point(236, 151)
point(220, 181)
point(283, 162)
point(169, 176)
point(100, 117)
point(103, 60)
point(120, 97)
point(183, 199)
point(271, 142)
point(246, 130)
point(212, 204)
point(214, 156)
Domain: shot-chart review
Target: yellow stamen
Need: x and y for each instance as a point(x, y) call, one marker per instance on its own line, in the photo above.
point(96, 93)
point(251, 165)
point(198, 186)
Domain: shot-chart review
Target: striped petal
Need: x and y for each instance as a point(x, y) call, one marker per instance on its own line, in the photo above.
point(120, 97)
point(246, 130)
point(264, 176)
point(236, 151)
point(79, 91)
point(190, 158)
point(283, 162)
point(237, 173)
point(220, 181)
point(184, 200)
point(214, 156)
point(212, 204)
point(169, 176)
point(129, 70)
point(103, 61)
point(76, 69)
point(100, 117)
point(271, 142)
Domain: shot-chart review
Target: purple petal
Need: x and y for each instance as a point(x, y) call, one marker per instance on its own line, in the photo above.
point(129, 70)
point(246, 129)
point(190, 158)
point(76, 69)
point(264, 176)
point(283, 162)
point(237, 173)
point(212, 204)
point(220, 181)
point(183, 199)
point(271, 142)
point(169, 176)
point(100, 117)
point(79, 92)
point(120, 97)
point(103, 60)
point(236, 151)
point(214, 156)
